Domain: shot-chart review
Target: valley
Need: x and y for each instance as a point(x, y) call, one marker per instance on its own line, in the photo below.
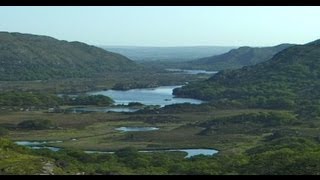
point(153, 118)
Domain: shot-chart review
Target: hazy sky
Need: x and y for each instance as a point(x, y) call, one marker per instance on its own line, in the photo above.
point(167, 26)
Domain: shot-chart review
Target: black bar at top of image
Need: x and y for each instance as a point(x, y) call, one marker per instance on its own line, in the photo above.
point(158, 2)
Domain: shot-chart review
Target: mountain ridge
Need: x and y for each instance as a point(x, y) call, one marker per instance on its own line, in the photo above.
point(33, 57)
point(237, 58)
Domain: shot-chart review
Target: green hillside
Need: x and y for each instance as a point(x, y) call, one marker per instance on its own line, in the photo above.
point(290, 78)
point(18, 160)
point(32, 57)
point(237, 58)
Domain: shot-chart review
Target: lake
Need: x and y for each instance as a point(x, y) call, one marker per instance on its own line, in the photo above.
point(161, 96)
point(189, 71)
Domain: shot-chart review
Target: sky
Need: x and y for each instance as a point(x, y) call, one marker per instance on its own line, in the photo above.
point(167, 25)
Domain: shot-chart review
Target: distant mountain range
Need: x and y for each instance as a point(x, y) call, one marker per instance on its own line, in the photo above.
point(236, 58)
point(170, 54)
point(33, 57)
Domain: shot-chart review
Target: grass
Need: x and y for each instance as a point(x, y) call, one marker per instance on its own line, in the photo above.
point(96, 131)
point(12, 162)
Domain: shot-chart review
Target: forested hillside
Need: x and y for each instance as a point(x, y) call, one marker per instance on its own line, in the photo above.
point(33, 57)
point(290, 79)
point(237, 58)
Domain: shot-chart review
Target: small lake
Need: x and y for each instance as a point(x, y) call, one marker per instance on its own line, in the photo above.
point(136, 129)
point(189, 71)
point(161, 96)
point(195, 152)
point(44, 145)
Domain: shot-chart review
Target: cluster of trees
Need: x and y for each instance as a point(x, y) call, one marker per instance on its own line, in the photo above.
point(134, 85)
point(41, 100)
point(38, 124)
point(135, 104)
point(98, 100)
point(176, 108)
point(28, 99)
point(32, 124)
